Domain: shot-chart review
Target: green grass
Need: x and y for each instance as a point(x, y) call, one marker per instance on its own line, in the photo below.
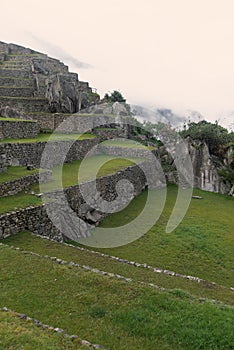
point(19, 334)
point(29, 242)
point(18, 201)
point(55, 137)
point(80, 114)
point(113, 313)
point(102, 164)
point(70, 178)
point(15, 120)
point(127, 144)
point(202, 245)
point(15, 172)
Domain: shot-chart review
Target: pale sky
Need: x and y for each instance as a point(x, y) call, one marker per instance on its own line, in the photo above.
point(168, 53)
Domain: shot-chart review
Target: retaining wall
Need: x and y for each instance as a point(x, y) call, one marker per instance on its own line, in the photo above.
point(18, 129)
point(36, 220)
point(23, 183)
point(24, 154)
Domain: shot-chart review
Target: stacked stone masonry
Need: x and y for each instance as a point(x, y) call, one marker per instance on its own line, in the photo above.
point(22, 184)
point(36, 220)
point(18, 129)
point(33, 74)
point(24, 154)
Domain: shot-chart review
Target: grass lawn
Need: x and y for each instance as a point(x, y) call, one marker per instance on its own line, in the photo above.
point(70, 178)
point(126, 143)
point(55, 137)
point(19, 334)
point(202, 245)
point(104, 163)
point(117, 314)
point(15, 120)
point(15, 172)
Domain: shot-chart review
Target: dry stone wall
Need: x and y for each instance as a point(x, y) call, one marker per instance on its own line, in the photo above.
point(23, 183)
point(18, 129)
point(36, 220)
point(24, 154)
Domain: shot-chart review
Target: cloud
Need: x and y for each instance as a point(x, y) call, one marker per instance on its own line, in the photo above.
point(60, 53)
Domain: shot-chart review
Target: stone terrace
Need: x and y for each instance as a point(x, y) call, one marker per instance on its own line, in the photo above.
point(33, 82)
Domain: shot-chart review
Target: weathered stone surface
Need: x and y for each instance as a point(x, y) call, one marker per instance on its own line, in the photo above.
point(22, 184)
point(3, 163)
point(205, 168)
point(36, 220)
point(27, 73)
point(18, 129)
point(30, 153)
point(116, 108)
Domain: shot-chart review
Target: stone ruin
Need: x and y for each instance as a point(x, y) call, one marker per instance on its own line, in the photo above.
point(3, 163)
point(31, 81)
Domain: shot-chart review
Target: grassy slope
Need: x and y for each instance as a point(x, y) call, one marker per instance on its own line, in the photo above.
point(70, 177)
point(15, 172)
point(126, 143)
point(15, 333)
point(116, 314)
point(15, 120)
point(29, 242)
point(202, 245)
point(55, 137)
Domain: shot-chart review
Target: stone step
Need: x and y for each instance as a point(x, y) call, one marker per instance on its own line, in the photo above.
point(14, 91)
point(13, 65)
point(25, 57)
point(25, 104)
point(16, 82)
point(15, 73)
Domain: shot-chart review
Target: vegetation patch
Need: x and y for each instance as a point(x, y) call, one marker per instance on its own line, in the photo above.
point(15, 120)
point(47, 137)
point(19, 334)
point(15, 172)
point(114, 313)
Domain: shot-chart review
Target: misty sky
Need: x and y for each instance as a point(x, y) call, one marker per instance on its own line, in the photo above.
point(173, 53)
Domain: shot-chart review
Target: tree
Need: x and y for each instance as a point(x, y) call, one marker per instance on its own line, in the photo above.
point(214, 135)
point(115, 96)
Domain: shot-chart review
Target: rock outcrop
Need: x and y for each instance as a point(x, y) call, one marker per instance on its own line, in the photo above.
point(31, 81)
point(208, 170)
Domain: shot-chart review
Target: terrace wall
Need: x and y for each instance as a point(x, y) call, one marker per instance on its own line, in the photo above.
point(18, 129)
point(24, 154)
point(22, 184)
point(36, 220)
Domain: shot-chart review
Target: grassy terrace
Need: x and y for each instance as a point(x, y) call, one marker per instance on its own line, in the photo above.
point(110, 312)
point(15, 172)
point(54, 137)
point(15, 120)
point(13, 78)
point(126, 144)
point(15, 87)
point(23, 98)
point(202, 245)
point(70, 178)
point(15, 333)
